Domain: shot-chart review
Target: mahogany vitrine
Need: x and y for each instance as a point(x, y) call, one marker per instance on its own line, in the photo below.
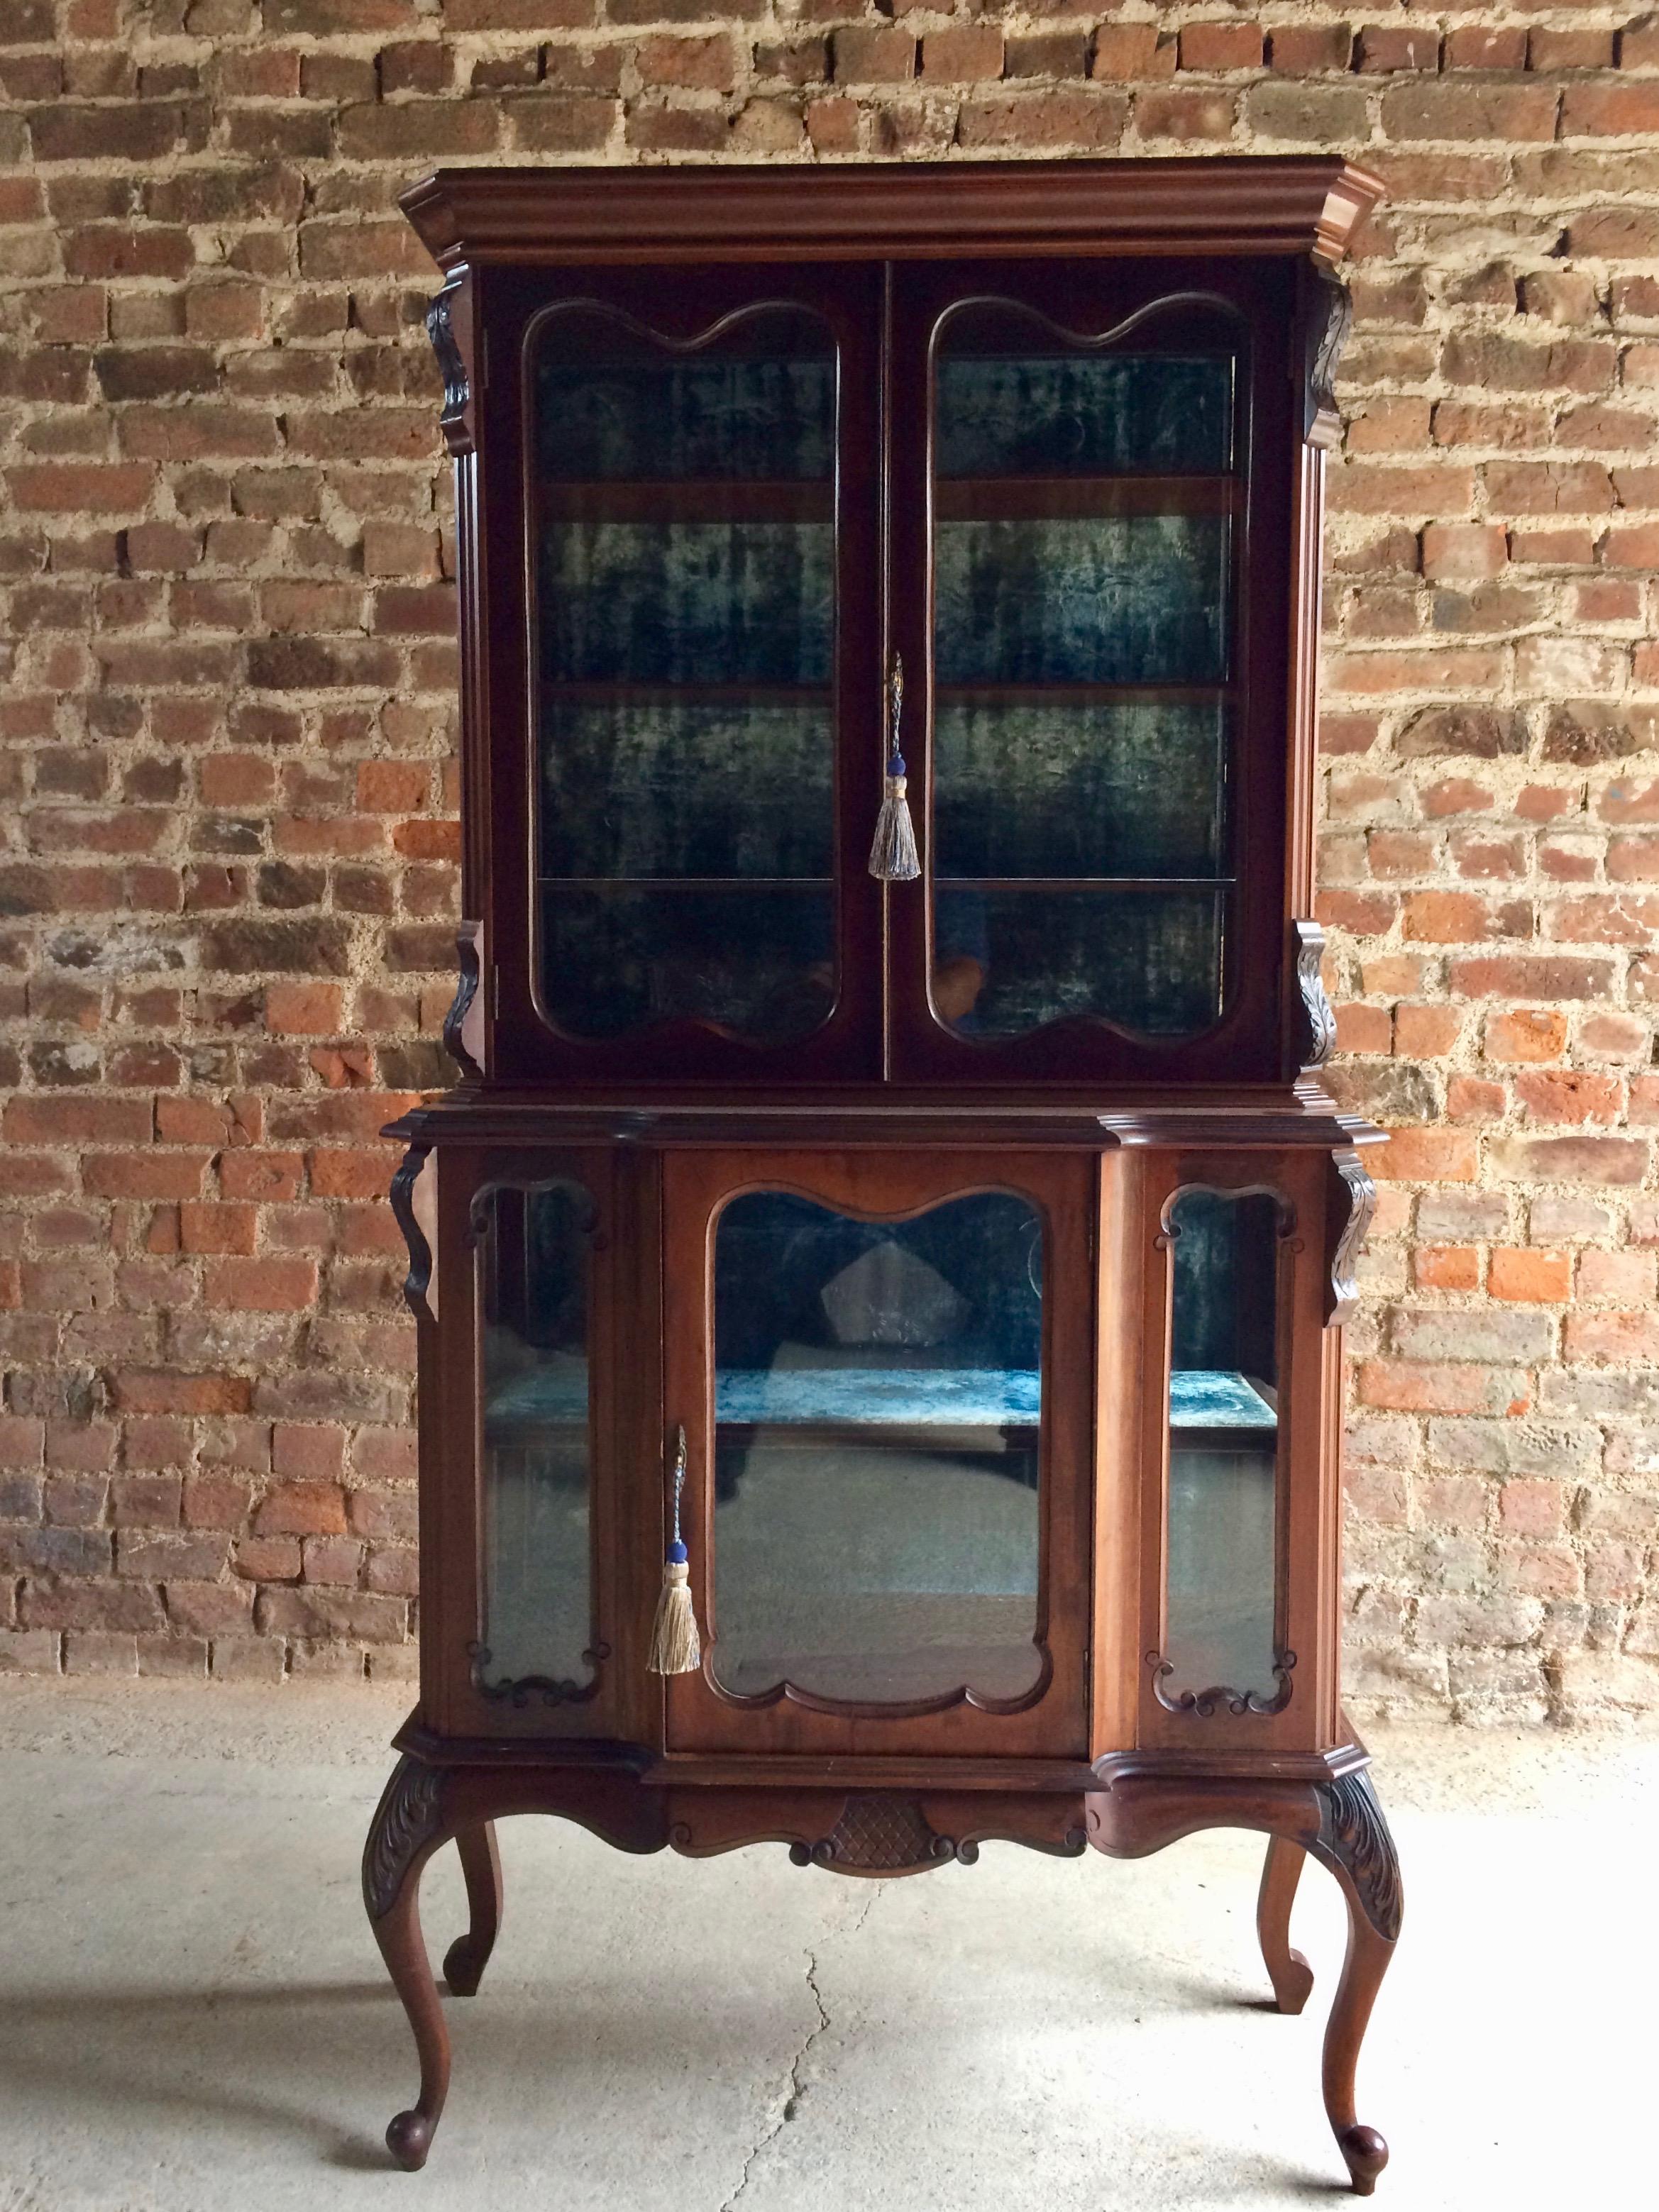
point(891, 1284)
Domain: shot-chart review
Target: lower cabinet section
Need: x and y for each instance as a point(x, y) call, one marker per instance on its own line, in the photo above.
point(993, 1455)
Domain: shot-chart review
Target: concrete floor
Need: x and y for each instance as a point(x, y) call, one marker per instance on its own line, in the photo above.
point(195, 2016)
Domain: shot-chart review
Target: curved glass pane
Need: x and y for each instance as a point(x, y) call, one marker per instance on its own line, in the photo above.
point(1221, 1597)
point(533, 1281)
point(684, 508)
point(877, 1404)
point(1085, 499)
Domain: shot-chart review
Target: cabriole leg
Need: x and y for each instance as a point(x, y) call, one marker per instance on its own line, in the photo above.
point(1355, 1843)
point(407, 1828)
point(1288, 1970)
point(481, 1864)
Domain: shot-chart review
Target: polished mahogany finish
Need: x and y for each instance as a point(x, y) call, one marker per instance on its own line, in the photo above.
point(985, 1235)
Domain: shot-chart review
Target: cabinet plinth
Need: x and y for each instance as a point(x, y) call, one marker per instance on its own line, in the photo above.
point(884, 1263)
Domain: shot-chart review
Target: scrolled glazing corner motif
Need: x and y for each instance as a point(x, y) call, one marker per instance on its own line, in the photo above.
point(1328, 316)
point(517, 1691)
point(1204, 1705)
point(882, 1836)
point(1354, 1835)
point(1168, 1233)
point(1317, 1038)
point(411, 1816)
point(1360, 1191)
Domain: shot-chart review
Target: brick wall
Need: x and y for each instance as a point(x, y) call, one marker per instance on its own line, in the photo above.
point(227, 890)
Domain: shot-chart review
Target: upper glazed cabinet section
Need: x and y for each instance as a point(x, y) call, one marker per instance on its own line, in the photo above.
point(753, 502)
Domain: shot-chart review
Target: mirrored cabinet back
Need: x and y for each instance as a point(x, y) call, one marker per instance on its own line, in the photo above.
point(879, 1278)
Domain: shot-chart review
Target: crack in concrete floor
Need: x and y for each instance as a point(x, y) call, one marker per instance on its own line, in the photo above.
point(797, 2089)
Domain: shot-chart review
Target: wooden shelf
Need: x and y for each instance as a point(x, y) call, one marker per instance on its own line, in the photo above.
point(687, 883)
point(955, 499)
point(688, 499)
point(1054, 499)
point(1084, 883)
point(1078, 695)
point(624, 694)
point(941, 883)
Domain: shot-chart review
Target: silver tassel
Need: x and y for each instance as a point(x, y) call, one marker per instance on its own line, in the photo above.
point(893, 850)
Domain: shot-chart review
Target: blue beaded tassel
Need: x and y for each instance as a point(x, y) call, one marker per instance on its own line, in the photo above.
point(893, 852)
point(675, 1648)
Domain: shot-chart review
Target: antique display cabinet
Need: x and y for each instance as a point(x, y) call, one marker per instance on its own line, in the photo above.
point(894, 1292)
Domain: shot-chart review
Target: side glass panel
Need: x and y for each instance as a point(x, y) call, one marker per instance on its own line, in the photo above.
point(684, 507)
point(878, 1403)
point(1085, 497)
point(1220, 1600)
point(532, 1247)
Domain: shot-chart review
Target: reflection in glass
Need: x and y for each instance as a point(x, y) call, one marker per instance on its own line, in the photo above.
point(533, 1260)
point(757, 958)
point(878, 1405)
point(1145, 963)
point(1084, 505)
point(1222, 1588)
point(685, 558)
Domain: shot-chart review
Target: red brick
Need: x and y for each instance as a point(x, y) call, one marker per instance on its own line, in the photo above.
point(156, 1175)
point(1446, 1268)
point(1471, 46)
point(269, 1286)
point(1360, 1028)
point(303, 1009)
point(1425, 1156)
point(1529, 1276)
point(874, 54)
point(1385, 48)
point(209, 1228)
point(1526, 1033)
point(1221, 46)
point(1570, 1095)
point(1625, 1337)
point(1307, 49)
point(1407, 1387)
point(966, 53)
point(301, 1509)
point(1426, 1032)
point(1124, 52)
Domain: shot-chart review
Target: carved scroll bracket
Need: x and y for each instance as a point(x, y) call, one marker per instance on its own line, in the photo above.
point(1315, 1022)
point(1354, 1835)
point(410, 1817)
point(1327, 315)
point(448, 325)
point(463, 1030)
point(1353, 1202)
point(415, 1210)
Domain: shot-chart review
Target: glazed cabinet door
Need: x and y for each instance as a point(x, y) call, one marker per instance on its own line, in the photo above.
point(1093, 470)
point(684, 702)
point(1241, 1430)
point(525, 1412)
point(883, 1364)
